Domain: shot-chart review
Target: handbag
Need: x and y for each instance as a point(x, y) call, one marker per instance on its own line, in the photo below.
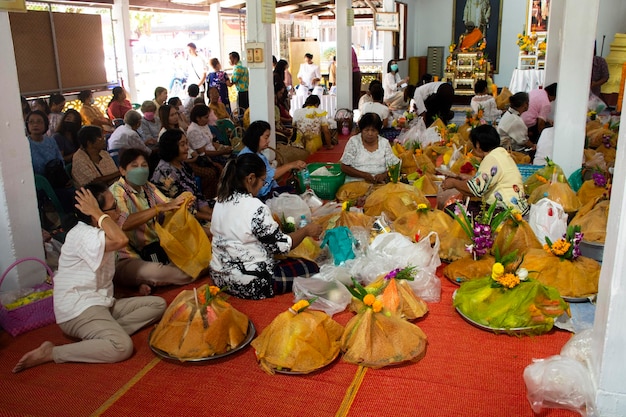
point(154, 252)
point(286, 153)
point(31, 315)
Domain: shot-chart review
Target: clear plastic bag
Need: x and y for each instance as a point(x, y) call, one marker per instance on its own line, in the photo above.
point(332, 296)
point(579, 346)
point(560, 382)
point(289, 205)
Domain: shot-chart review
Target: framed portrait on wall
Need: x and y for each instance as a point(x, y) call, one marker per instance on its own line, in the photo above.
point(487, 17)
point(538, 14)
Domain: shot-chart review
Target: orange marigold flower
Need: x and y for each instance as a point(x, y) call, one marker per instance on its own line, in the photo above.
point(369, 299)
point(214, 290)
point(377, 306)
point(299, 306)
point(508, 280)
point(518, 217)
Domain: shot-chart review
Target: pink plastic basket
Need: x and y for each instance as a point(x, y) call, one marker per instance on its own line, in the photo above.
point(30, 316)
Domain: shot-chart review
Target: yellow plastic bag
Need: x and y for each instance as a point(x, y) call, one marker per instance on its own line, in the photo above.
point(307, 249)
point(184, 240)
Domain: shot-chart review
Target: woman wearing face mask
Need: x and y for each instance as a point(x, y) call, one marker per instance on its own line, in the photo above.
point(66, 135)
point(141, 204)
point(393, 84)
point(90, 114)
point(150, 125)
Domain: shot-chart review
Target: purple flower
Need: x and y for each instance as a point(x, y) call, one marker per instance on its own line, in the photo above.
point(392, 274)
point(599, 179)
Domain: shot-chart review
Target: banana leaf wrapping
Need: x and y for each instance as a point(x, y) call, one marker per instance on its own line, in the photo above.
point(468, 269)
point(353, 190)
point(559, 192)
point(302, 342)
point(590, 191)
point(397, 297)
point(423, 222)
point(394, 199)
point(515, 236)
point(593, 219)
point(349, 219)
point(376, 340)
point(530, 305)
point(577, 278)
point(187, 332)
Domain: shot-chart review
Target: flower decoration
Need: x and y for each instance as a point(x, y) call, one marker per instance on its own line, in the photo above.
point(402, 273)
point(592, 115)
point(368, 297)
point(452, 47)
point(526, 43)
point(503, 279)
point(422, 207)
point(289, 224)
point(394, 172)
point(568, 247)
point(480, 229)
point(211, 291)
point(599, 179)
point(606, 140)
point(301, 305)
point(345, 206)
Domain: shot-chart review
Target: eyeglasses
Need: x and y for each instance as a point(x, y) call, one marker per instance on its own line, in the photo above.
point(114, 207)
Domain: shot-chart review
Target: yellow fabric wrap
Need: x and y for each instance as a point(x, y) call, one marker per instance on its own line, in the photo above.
point(590, 191)
point(307, 249)
point(467, 269)
point(577, 278)
point(593, 218)
point(394, 199)
point(514, 236)
point(349, 219)
point(184, 240)
point(353, 190)
point(559, 192)
point(300, 342)
point(423, 222)
point(397, 297)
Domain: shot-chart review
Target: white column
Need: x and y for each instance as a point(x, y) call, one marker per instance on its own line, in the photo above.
point(555, 40)
point(20, 230)
point(124, 52)
point(390, 6)
point(215, 25)
point(609, 332)
point(261, 90)
point(579, 32)
point(344, 54)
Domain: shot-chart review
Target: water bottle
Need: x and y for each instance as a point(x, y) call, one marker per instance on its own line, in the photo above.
point(306, 179)
point(303, 221)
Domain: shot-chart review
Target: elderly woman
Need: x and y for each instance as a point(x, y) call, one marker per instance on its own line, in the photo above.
point(173, 175)
point(200, 136)
point(66, 134)
point(126, 136)
point(367, 154)
point(497, 179)
point(84, 305)
point(119, 104)
point(313, 123)
point(243, 250)
point(257, 139)
point(92, 163)
point(43, 149)
point(90, 114)
point(142, 263)
point(150, 125)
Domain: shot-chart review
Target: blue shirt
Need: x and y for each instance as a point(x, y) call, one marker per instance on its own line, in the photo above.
point(43, 152)
point(269, 171)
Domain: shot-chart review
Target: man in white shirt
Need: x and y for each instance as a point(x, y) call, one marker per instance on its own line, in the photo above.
point(308, 71)
point(512, 129)
point(126, 136)
point(376, 105)
point(196, 73)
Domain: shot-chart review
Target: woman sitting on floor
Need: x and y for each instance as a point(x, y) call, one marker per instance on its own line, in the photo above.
point(201, 138)
point(92, 163)
point(243, 250)
point(257, 139)
point(485, 102)
point(84, 305)
point(142, 262)
point(173, 176)
point(313, 123)
point(367, 154)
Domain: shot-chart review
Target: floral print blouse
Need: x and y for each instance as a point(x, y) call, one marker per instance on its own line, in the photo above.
point(245, 238)
point(173, 181)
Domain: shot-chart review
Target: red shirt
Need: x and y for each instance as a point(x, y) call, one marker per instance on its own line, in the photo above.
point(117, 110)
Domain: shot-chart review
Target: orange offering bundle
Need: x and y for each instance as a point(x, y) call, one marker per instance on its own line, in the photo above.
point(544, 176)
point(353, 190)
point(516, 234)
point(195, 327)
point(559, 192)
point(560, 265)
point(468, 269)
point(422, 221)
point(346, 218)
point(592, 189)
point(374, 339)
point(298, 340)
point(593, 218)
point(395, 199)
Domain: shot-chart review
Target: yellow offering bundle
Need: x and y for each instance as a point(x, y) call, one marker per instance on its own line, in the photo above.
point(560, 265)
point(468, 269)
point(520, 158)
point(559, 192)
point(346, 218)
point(199, 325)
point(298, 340)
point(593, 218)
point(307, 249)
point(394, 199)
point(543, 176)
point(374, 339)
point(592, 189)
point(515, 234)
point(351, 191)
point(421, 222)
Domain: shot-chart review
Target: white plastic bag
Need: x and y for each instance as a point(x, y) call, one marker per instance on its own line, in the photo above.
point(547, 218)
point(332, 296)
point(394, 250)
point(560, 382)
point(288, 205)
point(579, 346)
point(412, 135)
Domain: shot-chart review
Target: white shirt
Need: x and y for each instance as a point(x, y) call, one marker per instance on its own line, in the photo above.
point(512, 130)
point(378, 108)
point(85, 277)
point(356, 156)
point(390, 84)
point(200, 137)
point(197, 68)
point(308, 72)
point(421, 94)
point(489, 106)
point(125, 137)
point(545, 146)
